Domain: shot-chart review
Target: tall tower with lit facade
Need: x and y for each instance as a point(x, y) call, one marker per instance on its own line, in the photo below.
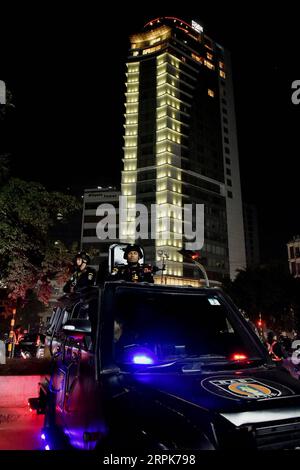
point(180, 144)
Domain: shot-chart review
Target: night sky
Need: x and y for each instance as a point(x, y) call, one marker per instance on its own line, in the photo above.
point(66, 70)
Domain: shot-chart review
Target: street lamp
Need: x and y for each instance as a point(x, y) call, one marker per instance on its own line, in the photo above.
point(164, 256)
point(194, 256)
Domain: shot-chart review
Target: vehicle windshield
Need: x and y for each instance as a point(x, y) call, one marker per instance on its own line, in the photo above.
point(161, 327)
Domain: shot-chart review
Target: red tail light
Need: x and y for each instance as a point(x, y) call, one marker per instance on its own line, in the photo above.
point(238, 357)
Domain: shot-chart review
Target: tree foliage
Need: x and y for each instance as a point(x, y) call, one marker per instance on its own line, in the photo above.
point(269, 290)
point(4, 167)
point(30, 311)
point(29, 259)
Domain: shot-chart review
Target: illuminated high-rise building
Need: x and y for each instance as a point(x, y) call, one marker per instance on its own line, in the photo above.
point(180, 144)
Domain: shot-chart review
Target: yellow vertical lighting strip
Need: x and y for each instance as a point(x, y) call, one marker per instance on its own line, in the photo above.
point(168, 151)
point(129, 174)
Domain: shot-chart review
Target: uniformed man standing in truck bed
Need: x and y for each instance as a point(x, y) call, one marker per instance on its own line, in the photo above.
point(133, 271)
point(83, 276)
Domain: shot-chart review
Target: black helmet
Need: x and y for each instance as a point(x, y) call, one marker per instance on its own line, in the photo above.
point(84, 256)
point(133, 248)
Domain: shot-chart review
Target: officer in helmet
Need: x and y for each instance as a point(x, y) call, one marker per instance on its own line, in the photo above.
point(83, 276)
point(133, 271)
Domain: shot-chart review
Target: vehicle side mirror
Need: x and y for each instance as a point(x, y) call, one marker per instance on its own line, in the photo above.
point(77, 326)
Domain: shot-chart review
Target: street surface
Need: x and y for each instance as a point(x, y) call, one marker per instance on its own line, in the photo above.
point(20, 429)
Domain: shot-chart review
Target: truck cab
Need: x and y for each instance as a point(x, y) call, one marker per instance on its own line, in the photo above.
point(156, 367)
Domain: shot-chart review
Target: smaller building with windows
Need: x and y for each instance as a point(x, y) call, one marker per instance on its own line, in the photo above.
point(293, 248)
point(92, 199)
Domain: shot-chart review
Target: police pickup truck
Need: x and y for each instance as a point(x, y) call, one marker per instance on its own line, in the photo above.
point(155, 367)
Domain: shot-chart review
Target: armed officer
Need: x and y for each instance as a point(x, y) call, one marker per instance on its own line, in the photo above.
point(133, 271)
point(83, 276)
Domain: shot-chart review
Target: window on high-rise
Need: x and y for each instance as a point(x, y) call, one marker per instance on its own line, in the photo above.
point(209, 65)
point(208, 45)
point(222, 74)
point(228, 172)
point(155, 40)
point(151, 50)
point(225, 130)
point(227, 160)
point(227, 150)
point(229, 194)
point(229, 182)
point(210, 93)
point(197, 58)
point(292, 254)
point(221, 65)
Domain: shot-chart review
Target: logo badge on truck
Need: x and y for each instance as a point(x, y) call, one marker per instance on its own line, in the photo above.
point(241, 388)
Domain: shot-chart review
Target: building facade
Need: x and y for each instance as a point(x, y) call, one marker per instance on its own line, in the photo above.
point(97, 247)
point(293, 248)
point(180, 145)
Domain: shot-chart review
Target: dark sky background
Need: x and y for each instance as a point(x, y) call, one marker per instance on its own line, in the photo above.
point(66, 70)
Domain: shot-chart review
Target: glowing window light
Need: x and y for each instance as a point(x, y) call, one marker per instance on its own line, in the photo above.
point(47, 447)
point(197, 58)
point(132, 69)
point(161, 114)
point(209, 65)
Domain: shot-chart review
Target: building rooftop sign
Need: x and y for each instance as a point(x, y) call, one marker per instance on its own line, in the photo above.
point(197, 27)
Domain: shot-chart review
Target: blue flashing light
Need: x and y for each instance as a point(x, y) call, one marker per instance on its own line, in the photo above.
point(43, 437)
point(47, 447)
point(142, 359)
